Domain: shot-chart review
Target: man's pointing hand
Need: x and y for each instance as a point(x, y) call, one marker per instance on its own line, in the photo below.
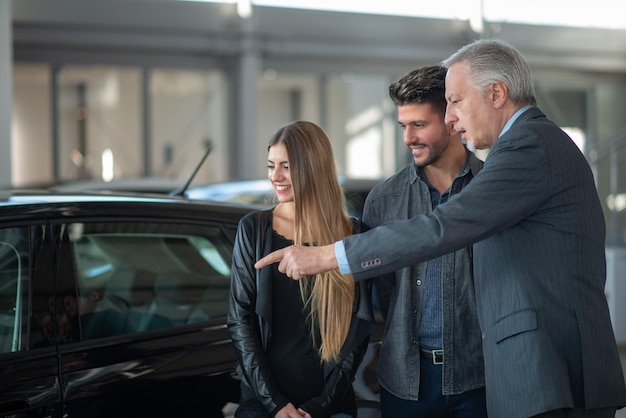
point(297, 261)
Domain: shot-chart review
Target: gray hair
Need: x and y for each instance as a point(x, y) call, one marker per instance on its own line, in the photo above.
point(490, 60)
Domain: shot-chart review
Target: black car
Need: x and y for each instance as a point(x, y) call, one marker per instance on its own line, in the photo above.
point(115, 306)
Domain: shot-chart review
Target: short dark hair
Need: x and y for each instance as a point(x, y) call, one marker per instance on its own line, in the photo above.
point(424, 85)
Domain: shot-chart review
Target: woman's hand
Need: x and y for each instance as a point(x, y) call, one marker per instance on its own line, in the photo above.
point(304, 413)
point(290, 411)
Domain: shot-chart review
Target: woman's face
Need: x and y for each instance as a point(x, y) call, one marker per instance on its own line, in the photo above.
point(278, 172)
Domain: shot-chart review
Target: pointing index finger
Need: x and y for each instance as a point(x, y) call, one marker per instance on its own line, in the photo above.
point(273, 257)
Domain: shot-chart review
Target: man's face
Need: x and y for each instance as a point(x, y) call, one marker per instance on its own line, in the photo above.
point(469, 111)
point(425, 133)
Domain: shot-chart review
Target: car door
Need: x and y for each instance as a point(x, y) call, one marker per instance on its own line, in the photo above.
point(150, 335)
point(29, 373)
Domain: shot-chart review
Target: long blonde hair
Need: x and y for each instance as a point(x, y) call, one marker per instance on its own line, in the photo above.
point(321, 217)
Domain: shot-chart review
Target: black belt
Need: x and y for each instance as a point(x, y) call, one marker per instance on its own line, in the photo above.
point(436, 356)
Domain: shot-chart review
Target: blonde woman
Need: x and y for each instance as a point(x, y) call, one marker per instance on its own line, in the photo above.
point(299, 343)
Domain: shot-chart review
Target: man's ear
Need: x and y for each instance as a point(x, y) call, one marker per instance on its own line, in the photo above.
point(498, 93)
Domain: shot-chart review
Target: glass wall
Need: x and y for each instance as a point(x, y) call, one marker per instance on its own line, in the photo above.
point(121, 122)
point(101, 123)
point(363, 116)
point(188, 115)
point(353, 109)
point(31, 126)
point(99, 116)
point(609, 156)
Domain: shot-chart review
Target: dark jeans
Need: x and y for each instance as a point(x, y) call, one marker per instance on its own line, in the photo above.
point(250, 412)
point(579, 413)
point(432, 403)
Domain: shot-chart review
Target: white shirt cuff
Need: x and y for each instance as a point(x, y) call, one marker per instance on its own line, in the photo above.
point(342, 258)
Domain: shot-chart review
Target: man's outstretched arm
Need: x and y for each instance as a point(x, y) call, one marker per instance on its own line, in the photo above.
point(297, 261)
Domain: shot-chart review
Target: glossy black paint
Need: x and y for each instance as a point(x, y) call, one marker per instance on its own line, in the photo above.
point(181, 371)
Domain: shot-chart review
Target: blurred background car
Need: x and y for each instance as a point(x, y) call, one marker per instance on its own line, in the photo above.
point(161, 185)
point(260, 192)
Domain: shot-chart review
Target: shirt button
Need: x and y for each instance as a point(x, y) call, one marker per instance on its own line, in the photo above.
point(419, 282)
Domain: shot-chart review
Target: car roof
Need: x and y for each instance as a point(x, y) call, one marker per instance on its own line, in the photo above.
point(16, 197)
point(34, 203)
point(136, 184)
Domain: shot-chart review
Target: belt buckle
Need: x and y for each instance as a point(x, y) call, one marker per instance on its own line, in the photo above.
point(437, 354)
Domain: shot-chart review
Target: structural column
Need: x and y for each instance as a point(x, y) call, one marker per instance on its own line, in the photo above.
point(6, 91)
point(248, 152)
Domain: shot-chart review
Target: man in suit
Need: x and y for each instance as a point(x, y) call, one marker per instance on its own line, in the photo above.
point(534, 217)
point(431, 361)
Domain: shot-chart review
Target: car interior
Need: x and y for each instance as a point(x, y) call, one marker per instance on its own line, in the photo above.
point(150, 277)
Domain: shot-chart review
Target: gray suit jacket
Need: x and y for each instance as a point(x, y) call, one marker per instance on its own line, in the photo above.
point(539, 268)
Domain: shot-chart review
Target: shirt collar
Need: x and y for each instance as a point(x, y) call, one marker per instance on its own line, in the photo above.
point(418, 172)
point(513, 118)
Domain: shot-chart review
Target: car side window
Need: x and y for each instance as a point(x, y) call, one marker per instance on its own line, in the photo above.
point(135, 277)
point(14, 262)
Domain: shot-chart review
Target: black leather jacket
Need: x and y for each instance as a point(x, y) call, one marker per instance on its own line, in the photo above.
point(249, 323)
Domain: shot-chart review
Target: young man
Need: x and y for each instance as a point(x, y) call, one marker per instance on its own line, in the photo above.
point(431, 362)
point(534, 215)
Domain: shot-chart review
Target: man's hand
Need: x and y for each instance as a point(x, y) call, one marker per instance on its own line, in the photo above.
point(297, 261)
